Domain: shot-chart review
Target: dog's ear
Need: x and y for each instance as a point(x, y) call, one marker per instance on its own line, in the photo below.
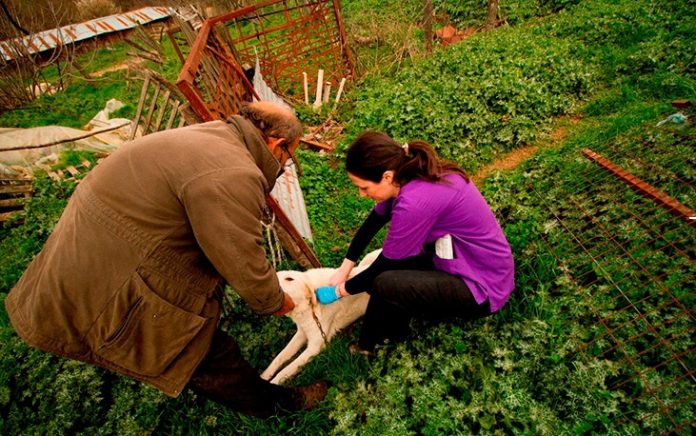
point(310, 295)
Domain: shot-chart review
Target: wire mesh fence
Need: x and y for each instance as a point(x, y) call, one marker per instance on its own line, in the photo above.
point(624, 236)
point(291, 37)
point(288, 37)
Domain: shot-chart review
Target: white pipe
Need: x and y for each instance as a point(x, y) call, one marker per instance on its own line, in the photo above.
point(320, 81)
point(340, 90)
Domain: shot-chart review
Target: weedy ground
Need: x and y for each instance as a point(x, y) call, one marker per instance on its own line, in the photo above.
point(612, 67)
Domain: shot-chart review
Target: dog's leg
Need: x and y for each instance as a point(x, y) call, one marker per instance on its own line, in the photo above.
point(314, 347)
point(296, 343)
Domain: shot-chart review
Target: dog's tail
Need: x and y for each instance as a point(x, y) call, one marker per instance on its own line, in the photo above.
point(365, 262)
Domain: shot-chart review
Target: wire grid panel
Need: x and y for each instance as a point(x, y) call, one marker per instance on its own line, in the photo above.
point(633, 260)
point(224, 85)
point(288, 36)
point(291, 37)
point(212, 80)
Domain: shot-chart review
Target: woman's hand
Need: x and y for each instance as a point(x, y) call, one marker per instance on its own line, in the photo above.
point(342, 273)
point(329, 294)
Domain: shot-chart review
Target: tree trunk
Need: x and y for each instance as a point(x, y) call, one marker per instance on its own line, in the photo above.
point(428, 25)
point(492, 14)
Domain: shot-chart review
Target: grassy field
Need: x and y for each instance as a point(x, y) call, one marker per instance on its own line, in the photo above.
point(602, 72)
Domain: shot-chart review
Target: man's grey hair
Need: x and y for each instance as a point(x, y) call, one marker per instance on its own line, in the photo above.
point(273, 120)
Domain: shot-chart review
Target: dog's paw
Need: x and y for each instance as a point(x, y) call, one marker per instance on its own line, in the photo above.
point(278, 380)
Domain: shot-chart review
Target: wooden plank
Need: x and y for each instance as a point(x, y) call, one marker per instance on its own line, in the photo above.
point(24, 188)
point(315, 144)
point(139, 110)
point(291, 238)
point(160, 113)
point(151, 108)
point(12, 202)
point(175, 44)
point(182, 119)
point(5, 216)
point(172, 114)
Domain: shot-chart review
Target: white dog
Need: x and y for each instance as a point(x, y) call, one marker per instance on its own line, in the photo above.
point(316, 323)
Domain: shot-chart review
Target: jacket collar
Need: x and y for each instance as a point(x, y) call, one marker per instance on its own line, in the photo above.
point(254, 142)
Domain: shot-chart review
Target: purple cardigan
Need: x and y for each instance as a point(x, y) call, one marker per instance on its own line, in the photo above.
point(424, 211)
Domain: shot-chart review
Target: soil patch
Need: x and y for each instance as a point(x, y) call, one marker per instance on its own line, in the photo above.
point(127, 64)
point(507, 162)
point(514, 158)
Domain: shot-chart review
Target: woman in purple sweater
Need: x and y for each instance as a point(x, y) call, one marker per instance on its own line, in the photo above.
point(444, 255)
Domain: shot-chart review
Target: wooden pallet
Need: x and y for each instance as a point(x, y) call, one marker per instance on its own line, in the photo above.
point(161, 107)
point(14, 193)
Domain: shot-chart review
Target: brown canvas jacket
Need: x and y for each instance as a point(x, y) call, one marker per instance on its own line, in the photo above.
point(130, 278)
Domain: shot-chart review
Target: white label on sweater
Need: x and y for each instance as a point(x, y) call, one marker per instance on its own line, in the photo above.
point(443, 247)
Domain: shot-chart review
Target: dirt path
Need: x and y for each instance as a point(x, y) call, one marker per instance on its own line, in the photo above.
point(127, 64)
point(516, 157)
point(507, 162)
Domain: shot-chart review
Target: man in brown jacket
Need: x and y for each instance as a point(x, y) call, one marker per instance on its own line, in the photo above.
point(132, 276)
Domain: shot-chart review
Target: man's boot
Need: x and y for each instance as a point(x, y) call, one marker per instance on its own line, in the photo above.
point(310, 396)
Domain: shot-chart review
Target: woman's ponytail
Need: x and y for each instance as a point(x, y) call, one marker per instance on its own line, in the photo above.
point(373, 153)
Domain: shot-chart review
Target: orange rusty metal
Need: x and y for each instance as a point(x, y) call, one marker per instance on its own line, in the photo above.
point(288, 36)
point(627, 246)
point(643, 188)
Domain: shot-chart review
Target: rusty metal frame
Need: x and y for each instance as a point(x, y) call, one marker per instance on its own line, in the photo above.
point(645, 189)
point(288, 36)
point(628, 217)
point(212, 79)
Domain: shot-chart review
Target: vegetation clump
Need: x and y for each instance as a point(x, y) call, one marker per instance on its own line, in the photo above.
point(615, 65)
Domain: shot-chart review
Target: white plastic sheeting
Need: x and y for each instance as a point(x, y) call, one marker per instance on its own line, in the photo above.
point(21, 150)
point(287, 190)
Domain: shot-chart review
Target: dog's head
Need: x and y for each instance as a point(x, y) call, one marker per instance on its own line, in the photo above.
point(300, 285)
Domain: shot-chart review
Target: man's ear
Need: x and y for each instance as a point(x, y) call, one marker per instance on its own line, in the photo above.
point(274, 143)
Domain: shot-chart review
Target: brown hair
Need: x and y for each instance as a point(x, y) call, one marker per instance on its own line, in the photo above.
point(373, 153)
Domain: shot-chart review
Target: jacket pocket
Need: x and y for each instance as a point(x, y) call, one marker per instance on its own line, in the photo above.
point(149, 332)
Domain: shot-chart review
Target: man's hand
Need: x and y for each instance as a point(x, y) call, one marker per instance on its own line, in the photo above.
point(287, 306)
point(327, 294)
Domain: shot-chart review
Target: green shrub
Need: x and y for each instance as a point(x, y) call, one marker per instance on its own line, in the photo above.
point(472, 13)
point(517, 372)
point(489, 94)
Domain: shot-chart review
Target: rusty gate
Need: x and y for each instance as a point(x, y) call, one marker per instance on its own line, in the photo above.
point(289, 38)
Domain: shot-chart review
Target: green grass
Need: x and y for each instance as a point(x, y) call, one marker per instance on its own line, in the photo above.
point(516, 372)
point(76, 105)
point(83, 98)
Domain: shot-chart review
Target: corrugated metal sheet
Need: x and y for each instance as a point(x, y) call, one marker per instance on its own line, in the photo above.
point(287, 191)
point(74, 33)
point(288, 194)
